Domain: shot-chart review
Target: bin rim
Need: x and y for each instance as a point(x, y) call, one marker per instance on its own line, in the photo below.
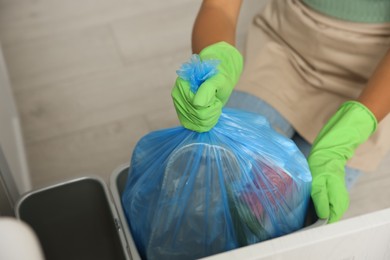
point(132, 249)
point(56, 184)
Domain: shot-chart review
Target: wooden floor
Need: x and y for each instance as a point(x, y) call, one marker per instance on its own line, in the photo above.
point(91, 77)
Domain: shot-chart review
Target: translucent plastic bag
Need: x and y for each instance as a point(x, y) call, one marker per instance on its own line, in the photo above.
point(191, 195)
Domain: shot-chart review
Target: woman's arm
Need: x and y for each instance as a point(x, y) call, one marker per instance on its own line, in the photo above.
point(213, 38)
point(216, 21)
point(376, 96)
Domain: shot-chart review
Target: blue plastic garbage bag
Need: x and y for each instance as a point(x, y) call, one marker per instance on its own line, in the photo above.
point(191, 195)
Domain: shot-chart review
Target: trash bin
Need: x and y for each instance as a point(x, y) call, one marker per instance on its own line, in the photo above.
point(117, 186)
point(77, 219)
point(74, 220)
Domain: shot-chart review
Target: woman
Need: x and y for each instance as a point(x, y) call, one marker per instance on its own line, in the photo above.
point(320, 69)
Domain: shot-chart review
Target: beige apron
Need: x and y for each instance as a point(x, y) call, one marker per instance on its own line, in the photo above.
point(306, 65)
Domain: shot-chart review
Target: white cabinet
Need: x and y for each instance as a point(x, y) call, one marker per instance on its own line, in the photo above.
point(12, 151)
point(363, 237)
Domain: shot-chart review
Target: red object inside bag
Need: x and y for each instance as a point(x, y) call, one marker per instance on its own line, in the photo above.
point(270, 186)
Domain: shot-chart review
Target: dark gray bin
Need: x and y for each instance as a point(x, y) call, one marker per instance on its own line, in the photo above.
point(74, 220)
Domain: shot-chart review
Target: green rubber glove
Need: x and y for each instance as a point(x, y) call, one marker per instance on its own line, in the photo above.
point(352, 124)
point(200, 111)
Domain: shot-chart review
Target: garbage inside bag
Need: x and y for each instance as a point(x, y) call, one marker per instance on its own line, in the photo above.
point(191, 195)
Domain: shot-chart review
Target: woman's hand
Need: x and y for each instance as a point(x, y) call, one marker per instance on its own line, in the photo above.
point(352, 124)
point(200, 111)
point(213, 37)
